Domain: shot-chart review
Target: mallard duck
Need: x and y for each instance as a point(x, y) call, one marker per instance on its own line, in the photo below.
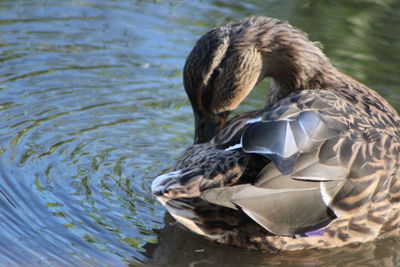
point(317, 167)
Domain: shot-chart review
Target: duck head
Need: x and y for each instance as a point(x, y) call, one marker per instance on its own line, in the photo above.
point(227, 63)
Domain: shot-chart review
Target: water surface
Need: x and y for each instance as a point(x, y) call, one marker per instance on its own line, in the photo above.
point(92, 108)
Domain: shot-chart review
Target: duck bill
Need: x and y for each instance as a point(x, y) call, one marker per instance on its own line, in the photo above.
point(207, 126)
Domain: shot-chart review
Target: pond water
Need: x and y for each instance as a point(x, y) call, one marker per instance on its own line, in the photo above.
point(92, 108)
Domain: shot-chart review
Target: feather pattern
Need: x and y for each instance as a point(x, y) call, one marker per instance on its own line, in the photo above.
point(317, 167)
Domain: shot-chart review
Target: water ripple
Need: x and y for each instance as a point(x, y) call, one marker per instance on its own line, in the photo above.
point(92, 108)
point(63, 69)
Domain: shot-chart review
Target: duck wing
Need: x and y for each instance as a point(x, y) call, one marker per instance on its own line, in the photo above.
point(325, 162)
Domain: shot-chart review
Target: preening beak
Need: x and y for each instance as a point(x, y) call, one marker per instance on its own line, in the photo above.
point(207, 126)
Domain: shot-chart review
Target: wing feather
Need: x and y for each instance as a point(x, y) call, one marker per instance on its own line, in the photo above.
point(317, 152)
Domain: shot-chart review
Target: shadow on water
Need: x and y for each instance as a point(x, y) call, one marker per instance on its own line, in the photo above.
point(92, 108)
point(179, 247)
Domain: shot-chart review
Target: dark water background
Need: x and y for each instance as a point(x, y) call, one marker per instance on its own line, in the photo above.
point(92, 109)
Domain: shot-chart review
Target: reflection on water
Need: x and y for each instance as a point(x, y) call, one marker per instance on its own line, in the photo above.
point(92, 109)
point(178, 247)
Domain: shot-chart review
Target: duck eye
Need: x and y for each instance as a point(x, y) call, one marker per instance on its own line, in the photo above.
point(217, 72)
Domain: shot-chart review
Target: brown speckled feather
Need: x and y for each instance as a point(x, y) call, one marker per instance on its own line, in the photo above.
point(318, 167)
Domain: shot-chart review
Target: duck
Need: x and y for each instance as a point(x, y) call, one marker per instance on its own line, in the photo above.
point(316, 167)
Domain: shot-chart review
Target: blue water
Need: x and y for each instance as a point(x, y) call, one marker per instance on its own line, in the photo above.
point(92, 108)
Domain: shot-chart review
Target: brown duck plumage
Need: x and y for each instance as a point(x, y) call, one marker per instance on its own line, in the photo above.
point(317, 167)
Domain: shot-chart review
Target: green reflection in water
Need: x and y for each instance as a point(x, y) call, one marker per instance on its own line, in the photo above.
point(93, 108)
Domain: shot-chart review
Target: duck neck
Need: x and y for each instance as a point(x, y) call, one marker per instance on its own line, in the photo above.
point(322, 77)
point(295, 63)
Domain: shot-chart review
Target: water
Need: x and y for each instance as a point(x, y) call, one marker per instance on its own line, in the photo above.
point(92, 109)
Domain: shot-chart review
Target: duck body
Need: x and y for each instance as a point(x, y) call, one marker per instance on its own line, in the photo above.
point(317, 167)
